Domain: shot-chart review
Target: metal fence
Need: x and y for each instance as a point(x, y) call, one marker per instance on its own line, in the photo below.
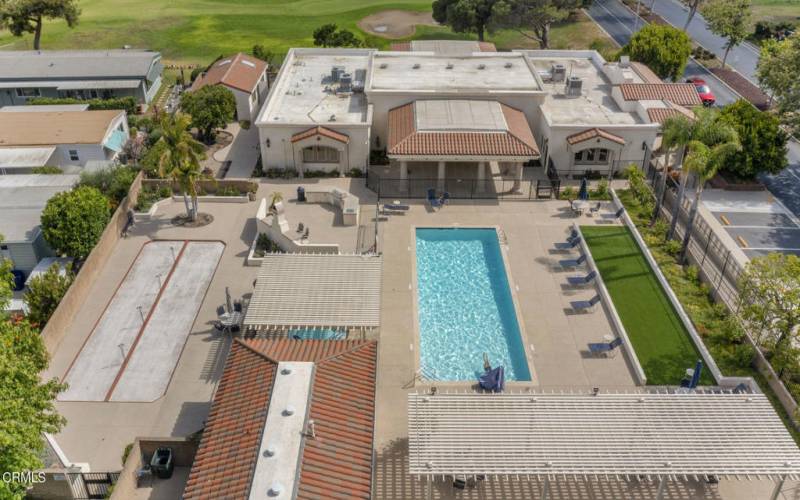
point(473, 189)
point(720, 269)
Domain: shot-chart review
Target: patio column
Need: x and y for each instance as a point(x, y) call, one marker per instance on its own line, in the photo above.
point(481, 187)
point(545, 488)
point(403, 176)
point(518, 176)
point(777, 491)
point(440, 177)
point(661, 484)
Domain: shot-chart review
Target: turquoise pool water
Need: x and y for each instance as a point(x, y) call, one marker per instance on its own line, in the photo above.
point(465, 306)
point(317, 334)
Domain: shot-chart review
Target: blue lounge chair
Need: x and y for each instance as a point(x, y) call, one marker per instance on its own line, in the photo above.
point(582, 280)
point(615, 215)
point(392, 207)
point(569, 244)
point(605, 347)
point(432, 199)
point(572, 262)
point(572, 235)
point(585, 305)
point(493, 380)
point(445, 198)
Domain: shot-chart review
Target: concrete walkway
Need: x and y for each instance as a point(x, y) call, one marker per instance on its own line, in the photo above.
point(243, 152)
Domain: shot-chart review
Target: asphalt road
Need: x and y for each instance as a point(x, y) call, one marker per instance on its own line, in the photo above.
point(743, 57)
point(620, 23)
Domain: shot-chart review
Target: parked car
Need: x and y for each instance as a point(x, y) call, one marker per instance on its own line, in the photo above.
point(703, 91)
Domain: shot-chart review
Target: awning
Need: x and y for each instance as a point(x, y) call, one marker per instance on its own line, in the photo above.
point(116, 140)
point(25, 157)
point(656, 435)
point(316, 291)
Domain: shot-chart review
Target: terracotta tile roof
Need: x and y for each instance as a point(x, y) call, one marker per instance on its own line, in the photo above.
point(323, 131)
point(401, 47)
point(404, 139)
point(660, 115)
point(239, 71)
point(336, 464)
point(592, 133)
point(679, 93)
point(645, 73)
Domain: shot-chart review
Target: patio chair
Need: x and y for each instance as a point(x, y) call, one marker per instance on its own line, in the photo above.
point(605, 348)
point(568, 263)
point(572, 235)
point(393, 207)
point(445, 198)
point(615, 215)
point(305, 234)
point(432, 199)
point(585, 305)
point(569, 245)
point(221, 310)
point(300, 228)
point(582, 280)
point(595, 209)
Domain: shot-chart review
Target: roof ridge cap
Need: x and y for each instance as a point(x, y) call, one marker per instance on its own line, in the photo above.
point(256, 351)
point(234, 59)
point(357, 345)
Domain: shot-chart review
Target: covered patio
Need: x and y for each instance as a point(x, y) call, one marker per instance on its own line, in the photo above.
point(469, 140)
point(582, 436)
point(313, 296)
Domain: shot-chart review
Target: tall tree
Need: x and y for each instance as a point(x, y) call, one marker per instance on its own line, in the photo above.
point(45, 292)
point(703, 161)
point(26, 401)
point(465, 16)
point(693, 6)
point(210, 108)
point(664, 49)
point(675, 135)
point(532, 18)
point(73, 221)
point(777, 72)
point(329, 35)
point(729, 19)
point(769, 298)
point(27, 16)
point(710, 129)
point(763, 141)
point(180, 158)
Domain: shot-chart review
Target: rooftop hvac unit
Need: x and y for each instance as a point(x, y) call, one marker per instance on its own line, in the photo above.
point(345, 82)
point(337, 72)
point(558, 72)
point(573, 87)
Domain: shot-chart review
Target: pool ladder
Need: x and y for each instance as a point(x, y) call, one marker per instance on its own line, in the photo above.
point(501, 235)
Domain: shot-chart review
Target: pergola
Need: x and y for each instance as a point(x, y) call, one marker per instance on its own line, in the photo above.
point(623, 436)
point(316, 291)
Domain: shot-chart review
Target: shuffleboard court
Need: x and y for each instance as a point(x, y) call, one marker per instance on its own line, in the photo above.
point(149, 369)
point(94, 370)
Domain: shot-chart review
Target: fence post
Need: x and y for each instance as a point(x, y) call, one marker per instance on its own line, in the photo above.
point(722, 273)
point(705, 252)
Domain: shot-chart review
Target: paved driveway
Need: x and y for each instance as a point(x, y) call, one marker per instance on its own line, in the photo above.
point(242, 152)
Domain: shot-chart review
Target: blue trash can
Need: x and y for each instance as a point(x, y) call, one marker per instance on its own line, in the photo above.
point(301, 193)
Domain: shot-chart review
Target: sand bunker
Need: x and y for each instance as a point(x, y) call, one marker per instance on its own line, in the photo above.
point(395, 23)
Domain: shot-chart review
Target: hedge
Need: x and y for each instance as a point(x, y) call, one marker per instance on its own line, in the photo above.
point(127, 103)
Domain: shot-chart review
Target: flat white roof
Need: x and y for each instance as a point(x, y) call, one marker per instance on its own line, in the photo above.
point(488, 72)
point(25, 157)
point(454, 115)
point(658, 435)
point(278, 462)
point(316, 290)
point(594, 106)
point(305, 94)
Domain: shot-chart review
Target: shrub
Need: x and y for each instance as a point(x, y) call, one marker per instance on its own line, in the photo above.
point(47, 170)
point(150, 195)
point(126, 452)
point(264, 245)
point(113, 182)
point(73, 221)
point(355, 172)
point(125, 103)
point(378, 157)
point(45, 291)
point(568, 193)
point(228, 191)
point(673, 247)
point(664, 49)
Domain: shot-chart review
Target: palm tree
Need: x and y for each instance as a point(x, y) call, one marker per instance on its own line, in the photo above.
point(180, 160)
point(708, 129)
point(676, 134)
point(703, 161)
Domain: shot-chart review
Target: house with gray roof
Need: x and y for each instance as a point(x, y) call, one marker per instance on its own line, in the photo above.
point(81, 74)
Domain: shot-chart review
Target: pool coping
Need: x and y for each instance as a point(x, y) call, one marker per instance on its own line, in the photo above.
point(512, 287)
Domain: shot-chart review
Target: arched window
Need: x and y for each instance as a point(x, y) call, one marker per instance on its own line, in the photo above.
point(593, 156)
point(320, 154)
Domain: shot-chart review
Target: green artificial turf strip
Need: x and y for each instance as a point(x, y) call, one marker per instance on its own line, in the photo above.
point(662, 344)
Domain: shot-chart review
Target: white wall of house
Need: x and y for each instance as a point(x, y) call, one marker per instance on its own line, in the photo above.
point(26, 254)
point(278, 151)
point(79, 154)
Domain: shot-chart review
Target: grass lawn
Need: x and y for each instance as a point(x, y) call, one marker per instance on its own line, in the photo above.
point(197, 31)
point(661, 342)
point(776, 10)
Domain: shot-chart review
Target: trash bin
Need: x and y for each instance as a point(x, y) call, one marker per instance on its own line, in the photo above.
point(301, 193)
point(19, 280)
point(161, 463)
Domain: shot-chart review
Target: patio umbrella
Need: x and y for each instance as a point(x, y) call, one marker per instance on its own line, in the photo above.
point(228, 300)
point(583, 192)
point(698, 369)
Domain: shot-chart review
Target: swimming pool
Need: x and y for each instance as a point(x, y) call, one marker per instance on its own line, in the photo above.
point(465, 306)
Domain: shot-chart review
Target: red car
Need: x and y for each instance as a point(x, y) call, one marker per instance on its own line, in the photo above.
point(703, 91)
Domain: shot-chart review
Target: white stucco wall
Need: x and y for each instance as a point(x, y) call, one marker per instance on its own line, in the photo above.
point(281, 152)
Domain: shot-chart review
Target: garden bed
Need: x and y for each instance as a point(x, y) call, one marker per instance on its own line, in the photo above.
point(743, 87)
point(260, 248)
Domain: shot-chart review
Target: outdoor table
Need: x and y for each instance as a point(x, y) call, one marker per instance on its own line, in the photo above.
point(228, 320)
